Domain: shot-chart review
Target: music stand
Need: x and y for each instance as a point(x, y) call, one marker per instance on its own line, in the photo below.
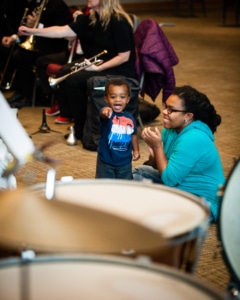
point(44, 128)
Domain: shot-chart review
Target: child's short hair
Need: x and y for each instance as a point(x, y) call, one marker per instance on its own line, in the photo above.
point(117, 81)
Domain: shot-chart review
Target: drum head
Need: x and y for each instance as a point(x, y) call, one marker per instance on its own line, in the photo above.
point(97, 277)
point(169, 211)
point(229, 223)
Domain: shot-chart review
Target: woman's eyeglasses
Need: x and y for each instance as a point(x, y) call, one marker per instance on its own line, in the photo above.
point(171, 110)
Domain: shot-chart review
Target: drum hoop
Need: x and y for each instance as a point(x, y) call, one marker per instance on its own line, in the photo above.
point(140, 263)
point(200, 201)
point(201, 229)
point(234, 276)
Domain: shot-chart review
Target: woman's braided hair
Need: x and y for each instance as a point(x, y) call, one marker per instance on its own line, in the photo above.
point(198, 104)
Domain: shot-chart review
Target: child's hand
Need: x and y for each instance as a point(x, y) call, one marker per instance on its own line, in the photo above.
point(136, 155)
point(106, 112)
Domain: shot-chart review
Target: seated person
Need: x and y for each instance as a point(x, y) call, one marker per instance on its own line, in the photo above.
point(11, 15)
point(107, 27)
point(53, 12)
point(184, 155)
point(75, 52)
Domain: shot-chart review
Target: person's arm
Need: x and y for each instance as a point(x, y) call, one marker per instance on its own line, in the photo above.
point(49, 32)
point(115, 61)
point(154, 141)
point(106, 113)
point(135, 146)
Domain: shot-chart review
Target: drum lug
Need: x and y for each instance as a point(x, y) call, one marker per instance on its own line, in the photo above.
point(50, 184)
point(233, 291)
point(28, 255)
point(144, 260)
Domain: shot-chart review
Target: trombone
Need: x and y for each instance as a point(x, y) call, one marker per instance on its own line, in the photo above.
point(29, 43)
point(5, 83)
point(73, 44)
point(53, 82)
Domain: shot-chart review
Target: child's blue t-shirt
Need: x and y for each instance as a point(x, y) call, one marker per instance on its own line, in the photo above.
point(115, 145)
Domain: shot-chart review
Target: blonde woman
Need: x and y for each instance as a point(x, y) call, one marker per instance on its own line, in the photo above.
point(107, 27)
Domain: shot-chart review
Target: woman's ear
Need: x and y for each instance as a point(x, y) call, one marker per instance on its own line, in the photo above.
point(190, 116)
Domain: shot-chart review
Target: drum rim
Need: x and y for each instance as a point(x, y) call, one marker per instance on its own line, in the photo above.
point(140, 263)
point(199, 201)
point(146, 183)
point(234, 275)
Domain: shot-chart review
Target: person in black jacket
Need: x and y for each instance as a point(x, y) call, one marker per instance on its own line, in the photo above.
point(11, 14)
point(42, 13)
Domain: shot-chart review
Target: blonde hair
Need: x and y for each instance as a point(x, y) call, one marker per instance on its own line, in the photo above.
point(107, 9)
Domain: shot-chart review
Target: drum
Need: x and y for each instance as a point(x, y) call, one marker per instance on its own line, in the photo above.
point(30, 222)
point(97, 277)
point(228, 227)
point(181, 218)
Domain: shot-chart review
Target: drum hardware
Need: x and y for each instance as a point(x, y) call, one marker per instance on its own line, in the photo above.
point(6, 84)
point(71, 140)
point(18, 142)
point(29, 43)
point(53, 82)
point(50, 184)
point(233, 291)
point(44, 128)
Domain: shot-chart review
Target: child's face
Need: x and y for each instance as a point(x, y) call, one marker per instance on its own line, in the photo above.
point(117, 97)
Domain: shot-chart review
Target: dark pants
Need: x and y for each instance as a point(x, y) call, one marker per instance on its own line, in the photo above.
point(23, 61)
point(41, 65)
point(104, 170)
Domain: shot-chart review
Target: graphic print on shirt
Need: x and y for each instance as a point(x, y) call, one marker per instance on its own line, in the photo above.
point(120, 134)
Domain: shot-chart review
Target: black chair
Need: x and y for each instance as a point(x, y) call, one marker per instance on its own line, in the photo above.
point(228, 4)
point(191, 7)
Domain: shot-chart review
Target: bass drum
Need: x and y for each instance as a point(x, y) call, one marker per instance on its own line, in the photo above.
point(228, 227)
point(97, 277)
point(180, 217)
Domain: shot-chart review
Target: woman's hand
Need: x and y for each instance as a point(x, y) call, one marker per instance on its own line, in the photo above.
point(24, 30)
point(115, 61)
point(31, 20)
point(157, 158)
point(152, 137)
point(76, 14)
point(93, 66)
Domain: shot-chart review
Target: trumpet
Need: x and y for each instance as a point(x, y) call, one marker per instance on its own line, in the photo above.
point(53, 82)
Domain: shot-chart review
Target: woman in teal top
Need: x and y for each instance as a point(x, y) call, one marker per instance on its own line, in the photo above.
point(184, 155)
